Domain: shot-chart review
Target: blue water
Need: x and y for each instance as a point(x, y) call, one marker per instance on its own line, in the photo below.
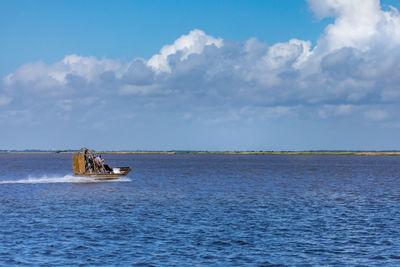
point(202, 210)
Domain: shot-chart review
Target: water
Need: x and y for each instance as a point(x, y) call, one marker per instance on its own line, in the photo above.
point(202, 210)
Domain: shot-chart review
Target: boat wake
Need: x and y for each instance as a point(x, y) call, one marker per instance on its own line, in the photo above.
point(61, 179)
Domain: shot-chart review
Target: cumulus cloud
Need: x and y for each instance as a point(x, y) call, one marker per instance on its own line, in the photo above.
point(354, 66)
point(71, 73)
point(359, 24)
point(186, 45)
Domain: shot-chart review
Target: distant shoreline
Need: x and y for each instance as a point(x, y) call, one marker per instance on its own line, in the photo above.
point(345, 153)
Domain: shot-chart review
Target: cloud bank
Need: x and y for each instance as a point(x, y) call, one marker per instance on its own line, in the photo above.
point(352, 70)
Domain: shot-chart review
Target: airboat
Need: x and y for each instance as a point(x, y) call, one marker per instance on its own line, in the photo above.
point(84, 165)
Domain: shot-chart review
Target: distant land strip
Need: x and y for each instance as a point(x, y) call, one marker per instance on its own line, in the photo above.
point(354, 153)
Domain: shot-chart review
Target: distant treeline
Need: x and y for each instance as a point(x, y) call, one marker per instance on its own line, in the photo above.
point(251, 152)
point(35, 151)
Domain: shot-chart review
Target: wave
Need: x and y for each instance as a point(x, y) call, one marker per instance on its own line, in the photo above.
point(60, 179)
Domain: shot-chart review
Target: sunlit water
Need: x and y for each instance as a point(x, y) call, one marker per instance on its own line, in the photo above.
point(202, 210)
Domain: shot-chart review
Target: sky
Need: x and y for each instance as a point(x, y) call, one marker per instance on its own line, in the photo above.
point(200, 75)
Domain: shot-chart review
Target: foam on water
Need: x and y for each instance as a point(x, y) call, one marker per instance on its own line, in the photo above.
point(60, 179)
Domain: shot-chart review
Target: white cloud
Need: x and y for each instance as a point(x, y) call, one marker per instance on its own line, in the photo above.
point(59, 78)
point(359, 24)
point(193, 43)
point(89, 67)
point(292, 54)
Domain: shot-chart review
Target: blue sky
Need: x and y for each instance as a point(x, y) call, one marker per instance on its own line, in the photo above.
point(129, 29)
point(200, 75)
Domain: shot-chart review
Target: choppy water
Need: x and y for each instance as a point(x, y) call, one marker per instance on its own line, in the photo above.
point(202, 210)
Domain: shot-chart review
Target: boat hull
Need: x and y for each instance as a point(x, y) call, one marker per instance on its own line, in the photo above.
point(105, 176)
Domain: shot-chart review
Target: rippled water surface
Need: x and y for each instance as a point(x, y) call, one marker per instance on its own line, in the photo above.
point(202, 210)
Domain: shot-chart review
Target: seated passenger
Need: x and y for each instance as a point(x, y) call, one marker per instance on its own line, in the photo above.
point(100, 162)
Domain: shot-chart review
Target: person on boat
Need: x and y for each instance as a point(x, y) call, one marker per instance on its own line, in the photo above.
point(101, 163)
